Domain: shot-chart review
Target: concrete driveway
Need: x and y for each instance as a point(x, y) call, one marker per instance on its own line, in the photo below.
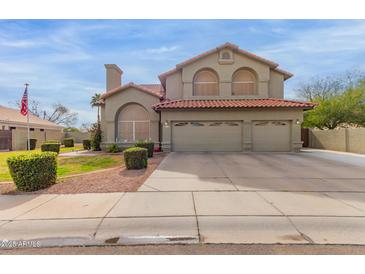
point(312, 197)
point(308, 197)
point(310, 170)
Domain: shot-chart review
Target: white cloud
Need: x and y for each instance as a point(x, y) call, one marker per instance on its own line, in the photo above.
point(337, 38)
point(161, 50)
point(16, 43)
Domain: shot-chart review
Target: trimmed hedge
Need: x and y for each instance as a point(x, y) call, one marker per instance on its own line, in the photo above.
point(53, 147)
point(52, 142)
point(113, 148)
point(86, 144)
point(135, 158)
point(68, 142)
point(33, 144)
point(149, 145)
point(31, 172)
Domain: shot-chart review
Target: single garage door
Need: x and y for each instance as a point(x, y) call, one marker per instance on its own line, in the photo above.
point(271, 135)
point(207, 136)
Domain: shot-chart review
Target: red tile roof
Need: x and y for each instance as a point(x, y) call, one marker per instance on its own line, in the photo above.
point(237, 103)
point(233, 47)
point(153, 89)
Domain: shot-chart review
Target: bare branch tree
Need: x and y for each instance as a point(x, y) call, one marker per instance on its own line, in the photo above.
point(329, 86)
point(59, 113)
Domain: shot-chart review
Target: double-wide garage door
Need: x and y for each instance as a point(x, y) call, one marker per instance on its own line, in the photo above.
point(228, 136)
point(207, 136)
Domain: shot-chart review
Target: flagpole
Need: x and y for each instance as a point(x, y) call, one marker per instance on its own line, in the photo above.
point(26, 86)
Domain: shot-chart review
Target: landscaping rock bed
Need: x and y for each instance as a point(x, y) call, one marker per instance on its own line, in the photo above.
point(117, 179)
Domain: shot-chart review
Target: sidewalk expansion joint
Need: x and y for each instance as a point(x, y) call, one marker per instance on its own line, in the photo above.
point(196, 218)
point(52, 198)
point(304, 236)
point(106, 214)
point(342, 201)
point(146, 185)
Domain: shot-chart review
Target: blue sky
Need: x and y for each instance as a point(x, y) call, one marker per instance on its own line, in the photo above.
point(63, 59)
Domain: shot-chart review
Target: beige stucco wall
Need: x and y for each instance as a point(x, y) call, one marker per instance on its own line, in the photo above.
point(77, 136)
point(113, 76)
point(349, 140)
point(246, 116)
point(180, 84)
point(276, 85)
point(115, 102)
point(19, 137)
point(174, 85)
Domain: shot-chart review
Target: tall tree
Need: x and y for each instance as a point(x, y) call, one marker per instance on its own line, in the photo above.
point(59, 114)
point(322, 88)
point(96, 102)
point(62, 115)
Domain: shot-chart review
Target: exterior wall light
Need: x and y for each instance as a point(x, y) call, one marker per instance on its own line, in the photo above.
point(297, 122)
point(166, 124)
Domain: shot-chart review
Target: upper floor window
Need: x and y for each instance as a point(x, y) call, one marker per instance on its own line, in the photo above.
point(206, 83)
point(226, 55)
point(244, 83)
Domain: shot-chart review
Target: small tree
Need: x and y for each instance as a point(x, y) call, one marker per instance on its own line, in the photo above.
point(96, 136)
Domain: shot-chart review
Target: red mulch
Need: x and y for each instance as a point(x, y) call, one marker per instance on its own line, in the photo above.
point(117, 179)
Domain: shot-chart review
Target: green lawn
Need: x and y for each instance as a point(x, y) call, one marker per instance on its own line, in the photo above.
point(69, 149)
point(67, 165)
point(82, 164)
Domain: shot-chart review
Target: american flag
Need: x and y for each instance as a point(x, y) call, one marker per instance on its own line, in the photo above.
point(24, 108)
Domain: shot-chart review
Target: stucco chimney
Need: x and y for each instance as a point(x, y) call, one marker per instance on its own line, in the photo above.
point(113, 76)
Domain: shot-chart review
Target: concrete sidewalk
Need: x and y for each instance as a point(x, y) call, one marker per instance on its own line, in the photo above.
point(184, 217)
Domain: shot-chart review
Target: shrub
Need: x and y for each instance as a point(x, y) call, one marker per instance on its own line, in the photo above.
point(113, 148)
point(34, 171)
point(135, 158)
point(53, 147)
point(68, 142)
point(33, 143)
point(149, 145)
point(52, 142)
point(86, 144)
point(96, 139)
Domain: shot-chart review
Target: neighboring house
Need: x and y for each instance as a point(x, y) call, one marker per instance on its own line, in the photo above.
point(13, 129)
point(225, 99)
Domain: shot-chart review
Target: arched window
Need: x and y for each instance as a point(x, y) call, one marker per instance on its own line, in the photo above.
point(133, 123)
point(206, 83)
point(244, 83)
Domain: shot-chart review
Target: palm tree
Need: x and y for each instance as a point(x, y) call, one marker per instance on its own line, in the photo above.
point(96, 102)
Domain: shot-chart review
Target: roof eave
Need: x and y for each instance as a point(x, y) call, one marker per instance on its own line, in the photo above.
point(234, 47)
point(126, 86)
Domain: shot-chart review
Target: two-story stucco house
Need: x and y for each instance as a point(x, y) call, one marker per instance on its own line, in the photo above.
point(225, 99)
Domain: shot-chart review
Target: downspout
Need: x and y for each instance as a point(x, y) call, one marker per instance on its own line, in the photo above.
point(159, 131)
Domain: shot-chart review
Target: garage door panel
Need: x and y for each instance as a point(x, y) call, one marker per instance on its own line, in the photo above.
point(207, 136)
point(271, 135)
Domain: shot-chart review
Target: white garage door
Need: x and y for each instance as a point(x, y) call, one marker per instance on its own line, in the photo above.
point(207, 136)
point(271, 135)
